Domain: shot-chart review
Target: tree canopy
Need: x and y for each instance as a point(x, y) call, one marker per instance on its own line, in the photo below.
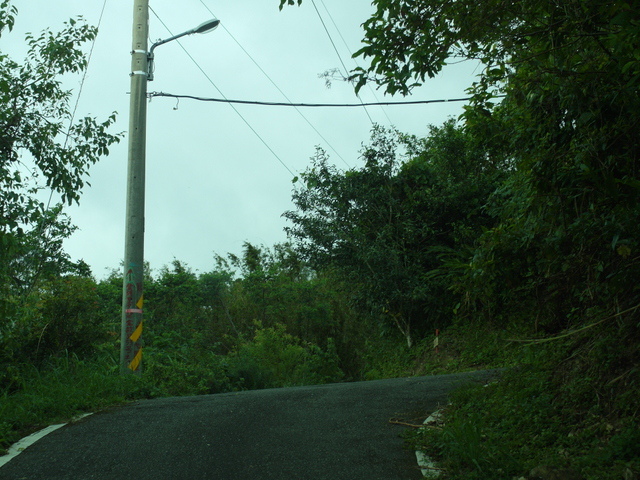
point(558, 100)
point(42, 147)
point(384, 226)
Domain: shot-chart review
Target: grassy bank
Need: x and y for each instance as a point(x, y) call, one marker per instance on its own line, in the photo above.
point(566, 408)
point(58, 391)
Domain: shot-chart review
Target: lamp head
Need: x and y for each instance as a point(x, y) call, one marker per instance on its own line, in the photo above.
point(207, 26)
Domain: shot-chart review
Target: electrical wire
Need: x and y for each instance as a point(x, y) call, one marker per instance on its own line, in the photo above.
point(346, 70)
point(344, 42)
point(275, 85)
point(315, 105)
point(225, 98)
point(45, 227)
point(82, 82)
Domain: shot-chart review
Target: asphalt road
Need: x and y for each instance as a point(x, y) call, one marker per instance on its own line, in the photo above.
point(325, 432)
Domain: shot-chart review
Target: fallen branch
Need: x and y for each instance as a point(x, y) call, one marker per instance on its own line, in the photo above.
point(572, 332)
point(395, 421)
point(421, 467)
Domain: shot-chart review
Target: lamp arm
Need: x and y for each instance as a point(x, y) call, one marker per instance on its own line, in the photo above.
point(202, 28)
point(170, 39)
point(150, 54)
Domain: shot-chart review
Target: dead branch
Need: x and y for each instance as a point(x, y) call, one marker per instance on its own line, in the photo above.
point(395, 421)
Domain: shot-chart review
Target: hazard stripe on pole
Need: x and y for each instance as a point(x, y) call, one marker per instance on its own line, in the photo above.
point(136, 335)
point(136, 361)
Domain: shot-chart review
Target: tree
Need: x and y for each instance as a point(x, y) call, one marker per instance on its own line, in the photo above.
point(384, 226)
point(569, 76)
point(42, 147)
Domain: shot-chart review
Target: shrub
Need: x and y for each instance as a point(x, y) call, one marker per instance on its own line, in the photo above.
point(275, 358)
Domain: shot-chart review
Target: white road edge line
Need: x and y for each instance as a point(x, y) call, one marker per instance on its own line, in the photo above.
point(18, 447)
point(426, 464)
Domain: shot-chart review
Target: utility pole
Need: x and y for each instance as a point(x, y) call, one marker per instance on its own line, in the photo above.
point(132, 291)
point(132, 295)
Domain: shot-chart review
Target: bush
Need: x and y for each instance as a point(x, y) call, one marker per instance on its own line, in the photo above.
point(60, 317)
point(176, 364)
point(274, 358)
point(59, 390)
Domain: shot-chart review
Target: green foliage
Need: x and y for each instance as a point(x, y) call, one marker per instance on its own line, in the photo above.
point(175, 366)
point(386, 357)
point(69, 305)
point(58, 391)
point(62, 317)
point(383, 226)
point(565, 132)
point(482, 439)
point(277, 287)
point(290, 2)
point(8, 14)
point(567, 403)
point(516, 233)
point(173, 297)
point(41, 147)
point(566, 128)
point(275, 358)
point(197, 326)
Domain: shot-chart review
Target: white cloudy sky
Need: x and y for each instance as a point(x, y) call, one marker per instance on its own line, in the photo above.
point(211, 182)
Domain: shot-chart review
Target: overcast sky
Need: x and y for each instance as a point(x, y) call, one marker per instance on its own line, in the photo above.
point(211, 182)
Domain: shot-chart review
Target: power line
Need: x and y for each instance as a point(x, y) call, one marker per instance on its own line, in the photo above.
point(346, 70)
point(82, 82)
point(275, 85)
point(297, 105)
point(45, 227)
point(225, 98)
point(344, 42)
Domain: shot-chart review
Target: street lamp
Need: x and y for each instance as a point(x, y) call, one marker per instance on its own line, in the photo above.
point(132, 291)
point(205, 27)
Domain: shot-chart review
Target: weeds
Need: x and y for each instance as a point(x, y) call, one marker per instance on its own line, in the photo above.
point(66, 387)
point(557, 408)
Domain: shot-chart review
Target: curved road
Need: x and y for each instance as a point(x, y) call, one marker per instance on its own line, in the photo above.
point(324, 432)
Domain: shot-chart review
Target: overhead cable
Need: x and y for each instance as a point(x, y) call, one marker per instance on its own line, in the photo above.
point(275, 85)
point(81, 88)
point(297, 105)
point(220, 92)
point(346, 70)
point(344, 42)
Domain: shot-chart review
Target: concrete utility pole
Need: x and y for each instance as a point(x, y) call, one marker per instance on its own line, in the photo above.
point(132, 291)
point(132, 296)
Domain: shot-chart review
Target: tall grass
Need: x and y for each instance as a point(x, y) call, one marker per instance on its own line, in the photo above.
point(559, 408)
point(65, 387)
